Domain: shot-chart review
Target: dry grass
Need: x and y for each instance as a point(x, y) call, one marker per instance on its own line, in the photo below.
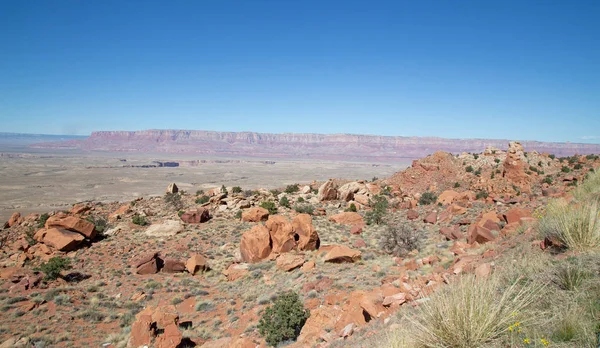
point(577, 226)
point(472, 313)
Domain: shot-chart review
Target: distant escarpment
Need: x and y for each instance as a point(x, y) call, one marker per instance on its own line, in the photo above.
point(300, 146)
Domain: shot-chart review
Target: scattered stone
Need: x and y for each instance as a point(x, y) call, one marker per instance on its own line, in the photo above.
point(287, 262)
point(173, 266)
point(412, 214)
point(327, 192)
point(196, 216)
point(341, 253)
point(347, 218)
point(196, 263)
point(165, 229)
point(72, 223)
point(172, 188)
point(62, 240)
point(431, 218)
point(256, 214)
point(356, 229)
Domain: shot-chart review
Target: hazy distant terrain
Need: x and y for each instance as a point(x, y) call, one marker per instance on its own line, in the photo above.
point(346, 147)
point(45, 180)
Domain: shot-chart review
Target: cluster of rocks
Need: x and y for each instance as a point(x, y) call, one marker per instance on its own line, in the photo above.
point(152, 263)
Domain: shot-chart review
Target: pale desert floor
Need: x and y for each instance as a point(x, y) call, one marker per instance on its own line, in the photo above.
point(42, 181)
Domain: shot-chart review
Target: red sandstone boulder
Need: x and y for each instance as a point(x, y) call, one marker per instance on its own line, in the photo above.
point(356, 229)
point(479, 234)
point(282, 234)
point(431, 218)
point(196, 216)
point(60, 239)
point(412, 214)
point(327, 191)
point(515, 215)
point(14, 219)
point(196, 263)
point(447, 197)
point(347, 218)
point(147, 264)
point(308, 238)
point(287, 262)
point(72, 223)
point(173, 266)
point(255, 244)
point(255, 214)
point(341, 253)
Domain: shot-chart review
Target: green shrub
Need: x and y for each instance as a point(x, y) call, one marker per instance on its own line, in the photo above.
point(284, 202)
point(236, 189)
point(374, 179)
point(497, 160)
point(275, 192)
point(300, 200)
point(238, 215)
point(377, 214)
point(292, 188)
point(456, 184)
point(224, 189)
point(43, 219)
point(54, 266)
point(304, 209)
point(565, 169)
point(284, 320)
point(547, 180)
point(427, 198)
point(399, 239)
point(181, 212)
point(577, 166)
point(475, 156)
point(351, 208)
point(199, 192)
point(469, 169)
point(481, 194)
point(100, 223)
point(270, 206)
point(139, 220)
point(477, 172)
point(552, 156)
point(202, 199)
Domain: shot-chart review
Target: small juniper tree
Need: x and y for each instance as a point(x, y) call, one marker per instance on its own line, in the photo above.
point(283, 320)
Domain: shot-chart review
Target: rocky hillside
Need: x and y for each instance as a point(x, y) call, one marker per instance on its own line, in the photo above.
point(202, 268)
point(331, 146)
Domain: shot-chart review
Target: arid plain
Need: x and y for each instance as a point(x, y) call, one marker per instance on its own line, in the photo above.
point(36, 181)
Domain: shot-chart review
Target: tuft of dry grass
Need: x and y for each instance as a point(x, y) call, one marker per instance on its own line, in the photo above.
point(577, 226)
point(474, 312)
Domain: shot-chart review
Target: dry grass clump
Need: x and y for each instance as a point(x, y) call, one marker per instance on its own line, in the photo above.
point(474, 312)
point(576, 226)
point(589, 189)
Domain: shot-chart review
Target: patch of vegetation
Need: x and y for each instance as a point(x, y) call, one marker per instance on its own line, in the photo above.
point(292, 188)
point(377, 214)
point(139, 220)
point(456, 184)
point(427, 198)
point(469, 169)
point(552, 156)
point(399, 239)
point(284, 320)
point(43, 218)
point(351, 208)
point(547, 180)
point(173, 199)
point(304, 209)
point(238, 215)
point(199, 192)
point(577, 166)
point(497, 160)
point(236, 189)
point(275, 192)
point(577, 227)
point(565, 169)
point(475, 156)
point(202, 199)
point(54, 266)
point(270, 206)
point(300, 200)
point(100, 224)
point(483, 194)
point(284, 202)
point(224, 189)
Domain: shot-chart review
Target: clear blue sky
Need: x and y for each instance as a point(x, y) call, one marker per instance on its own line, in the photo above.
point(459, 69)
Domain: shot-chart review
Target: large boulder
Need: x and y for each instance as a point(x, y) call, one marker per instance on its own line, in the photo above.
point(447, 197)
point(60, 239)
point(196, 263)
point(479, 234)
point(156, 327)
point(165, 229)
point(282, 234)
point(289, 261)
point(328, 191)
point(72, 223)
point(172, 188)
point(255, 214)
point(341, 253)
point(173, 266)
point(147, 263)
point(196, 216)
point(346, 192)
point(14, 219)
point(255, 244)
point(308, 238)
point(347, 218)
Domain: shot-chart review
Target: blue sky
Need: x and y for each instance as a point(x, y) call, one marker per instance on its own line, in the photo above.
point(457, 69)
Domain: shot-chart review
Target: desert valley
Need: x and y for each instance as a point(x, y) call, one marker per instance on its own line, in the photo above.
point(167, 248)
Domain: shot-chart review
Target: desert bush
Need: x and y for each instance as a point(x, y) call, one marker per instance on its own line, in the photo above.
point(99, 222)
point(427, 198)
point(300, 200)
point(473, 312)
point(292, 188)
point(547, 180)
point(469, 169)
point(589, 189)
point(139, 220)
point(481, 194)
point(577, 166)
point(199, 192)
point(236, 189)
point(475, 156)
point(275, 192)
point(576, 226)
point(565, 169)
point(552, 156)
point(456, 184)
point(202, 199)
point(283, 320)
point(270, 206)
point(224, 189)
point(43, 218)
point(284, 202)
point(54, 266)
point(351, 208)
point(497, 160)
point(238, 215)
point(304, 209)
point(399, 239)
point(174, 199)
point(377, 214)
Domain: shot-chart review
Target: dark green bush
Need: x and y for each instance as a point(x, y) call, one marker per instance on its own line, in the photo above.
point(565, 169)
point(236, 189)
point(552, 156)
point(283, 320)
point(139, 220)
point(300, 200)
point(199, 192)
point(427, 198)
point(469, 169)
point(54, 266)
point(202, 199)
point(304, 209)
point(292, 188)
point(577, 166)
point(456, 185)
point(270, 206)
point(481, 194)
point(284, 202)
point(475, 156)
point(376, 215)
point(547, 180)
point(497, 160)
point(351, 208)
point(43, 219)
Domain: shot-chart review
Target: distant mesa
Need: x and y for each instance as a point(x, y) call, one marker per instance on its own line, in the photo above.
point(351, 147)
